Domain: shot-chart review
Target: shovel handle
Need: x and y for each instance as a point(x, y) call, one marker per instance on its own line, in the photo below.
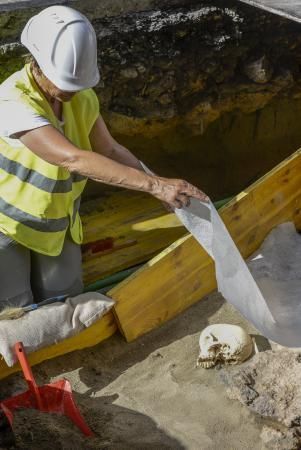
point(27, 372)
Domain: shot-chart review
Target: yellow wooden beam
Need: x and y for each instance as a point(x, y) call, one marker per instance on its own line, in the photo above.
point(124, 229)
point(183, 273)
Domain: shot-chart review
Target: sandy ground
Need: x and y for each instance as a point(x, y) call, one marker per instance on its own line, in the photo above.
point(147, 394)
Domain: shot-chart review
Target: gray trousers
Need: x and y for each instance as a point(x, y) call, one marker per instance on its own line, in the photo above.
point(28, 277)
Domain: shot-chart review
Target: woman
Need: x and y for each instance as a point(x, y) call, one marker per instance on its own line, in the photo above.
point(50, 122)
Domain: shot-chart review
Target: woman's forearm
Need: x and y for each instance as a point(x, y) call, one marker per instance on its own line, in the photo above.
point(104, 144)
point(107, 170)
point(124, 156)
point(100, 168)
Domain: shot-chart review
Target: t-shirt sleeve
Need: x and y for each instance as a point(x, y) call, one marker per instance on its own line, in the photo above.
point(16, 117)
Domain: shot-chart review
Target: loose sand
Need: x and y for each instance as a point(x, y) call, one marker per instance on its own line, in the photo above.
point(145, 395)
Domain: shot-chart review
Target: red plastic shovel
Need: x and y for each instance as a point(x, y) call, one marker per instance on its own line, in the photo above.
point(53, 398)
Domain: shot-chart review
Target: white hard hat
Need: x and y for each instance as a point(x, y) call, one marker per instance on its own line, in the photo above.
point(63, 42)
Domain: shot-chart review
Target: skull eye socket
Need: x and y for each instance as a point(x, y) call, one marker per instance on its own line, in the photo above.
point(214, 338)
point(211, 337)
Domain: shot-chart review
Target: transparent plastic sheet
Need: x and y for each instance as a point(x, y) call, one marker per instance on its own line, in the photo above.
point(272, 304)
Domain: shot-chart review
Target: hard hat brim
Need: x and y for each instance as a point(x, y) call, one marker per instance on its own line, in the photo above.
point(70, 86)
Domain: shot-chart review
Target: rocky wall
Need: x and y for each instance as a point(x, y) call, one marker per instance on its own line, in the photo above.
point(206, 90)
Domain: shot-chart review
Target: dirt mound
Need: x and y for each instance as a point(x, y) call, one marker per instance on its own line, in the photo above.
point(269, 385)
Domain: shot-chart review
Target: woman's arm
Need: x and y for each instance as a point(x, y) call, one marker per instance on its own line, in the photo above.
point(50, 145)
point(102, 142)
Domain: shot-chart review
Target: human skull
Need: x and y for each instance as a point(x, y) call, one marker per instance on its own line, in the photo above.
point(225, 343)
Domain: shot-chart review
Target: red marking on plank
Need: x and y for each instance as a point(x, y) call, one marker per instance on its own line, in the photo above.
point(98, 246)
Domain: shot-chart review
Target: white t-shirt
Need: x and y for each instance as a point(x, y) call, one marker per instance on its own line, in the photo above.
point(16, 117)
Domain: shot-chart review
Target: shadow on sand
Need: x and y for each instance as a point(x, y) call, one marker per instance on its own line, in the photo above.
point(115, 426)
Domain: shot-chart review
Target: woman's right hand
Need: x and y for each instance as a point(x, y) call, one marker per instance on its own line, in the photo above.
point(176, 193)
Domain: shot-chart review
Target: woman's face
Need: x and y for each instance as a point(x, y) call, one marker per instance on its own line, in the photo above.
point(50, 89)
point(55, 92)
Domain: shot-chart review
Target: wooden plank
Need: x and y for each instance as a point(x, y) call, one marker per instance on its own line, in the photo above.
point(123, 229)
point(290, 9)
point(98, 332)
point(183, 273)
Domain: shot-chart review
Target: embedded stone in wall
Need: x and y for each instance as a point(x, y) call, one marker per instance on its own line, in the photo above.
point(259, 70)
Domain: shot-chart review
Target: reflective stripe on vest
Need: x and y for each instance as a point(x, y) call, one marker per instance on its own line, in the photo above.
point(36, 179)
point(36, 223)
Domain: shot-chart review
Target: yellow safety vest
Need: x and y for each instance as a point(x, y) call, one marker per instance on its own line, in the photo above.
point(40, 201)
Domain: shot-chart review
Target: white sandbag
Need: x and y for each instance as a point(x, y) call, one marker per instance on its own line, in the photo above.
point(52, 323)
